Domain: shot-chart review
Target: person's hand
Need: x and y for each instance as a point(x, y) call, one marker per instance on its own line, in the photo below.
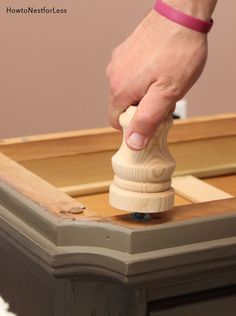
point(155, 66)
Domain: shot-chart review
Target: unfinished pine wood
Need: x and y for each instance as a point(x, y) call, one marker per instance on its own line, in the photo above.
point(181, 213)
point(142, 181)
point(202, 146)
point(61, 144)
point(51, 199)
point(205, 157)
point(201, 158)
point(184, 210)
point(87, 188)
point(73, 170)
point(54, 201)
point(99, 203)
point(197, 190)
point(212, 126)
point(37, 190)
point(103, 139)
point(227, 184)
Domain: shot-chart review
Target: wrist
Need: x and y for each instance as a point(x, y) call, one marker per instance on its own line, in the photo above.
point(198, 8)
point(185, 19)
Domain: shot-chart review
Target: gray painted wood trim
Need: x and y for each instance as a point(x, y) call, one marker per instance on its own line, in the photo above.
point(69, 248)
point(68, 232)
point(184, 261)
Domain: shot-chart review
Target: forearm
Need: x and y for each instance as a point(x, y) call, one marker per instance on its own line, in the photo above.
point(201, 9)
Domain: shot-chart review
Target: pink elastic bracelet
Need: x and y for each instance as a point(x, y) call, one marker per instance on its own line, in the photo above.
point(183, 18)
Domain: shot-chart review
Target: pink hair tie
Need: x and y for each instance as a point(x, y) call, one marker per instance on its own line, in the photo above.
point(182, 18)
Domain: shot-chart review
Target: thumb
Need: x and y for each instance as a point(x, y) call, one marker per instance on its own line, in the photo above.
point(151, 111)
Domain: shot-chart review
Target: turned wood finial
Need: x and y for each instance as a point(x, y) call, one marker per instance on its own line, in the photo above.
point(142, 181)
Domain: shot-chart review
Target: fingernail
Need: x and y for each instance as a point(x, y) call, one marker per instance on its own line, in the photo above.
point(136, 141)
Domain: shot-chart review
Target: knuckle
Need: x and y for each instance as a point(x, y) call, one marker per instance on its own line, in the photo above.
point(170, 89)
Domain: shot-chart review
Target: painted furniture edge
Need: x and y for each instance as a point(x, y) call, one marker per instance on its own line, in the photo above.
point(172, 263)
point(49, 212)
point(137, 266)
point(52, 218)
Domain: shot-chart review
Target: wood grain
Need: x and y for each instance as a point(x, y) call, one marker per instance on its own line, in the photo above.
point(181, 213)
point(61, 144)
point(202, 147)
point(142, 181)
point(86, 189)
point(73, 170)
point(54, 201)
point(201, 158)
point(99, 202)
point(100, 205)
point(197, 190)
point(227, 184)
point(102, 139)
point(196, 128)
point(205, 157)
point(36, 189)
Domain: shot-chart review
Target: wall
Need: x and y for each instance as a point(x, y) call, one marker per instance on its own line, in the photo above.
point(52, 66)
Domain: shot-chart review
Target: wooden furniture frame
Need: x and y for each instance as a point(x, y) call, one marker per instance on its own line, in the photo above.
point(74, 259)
